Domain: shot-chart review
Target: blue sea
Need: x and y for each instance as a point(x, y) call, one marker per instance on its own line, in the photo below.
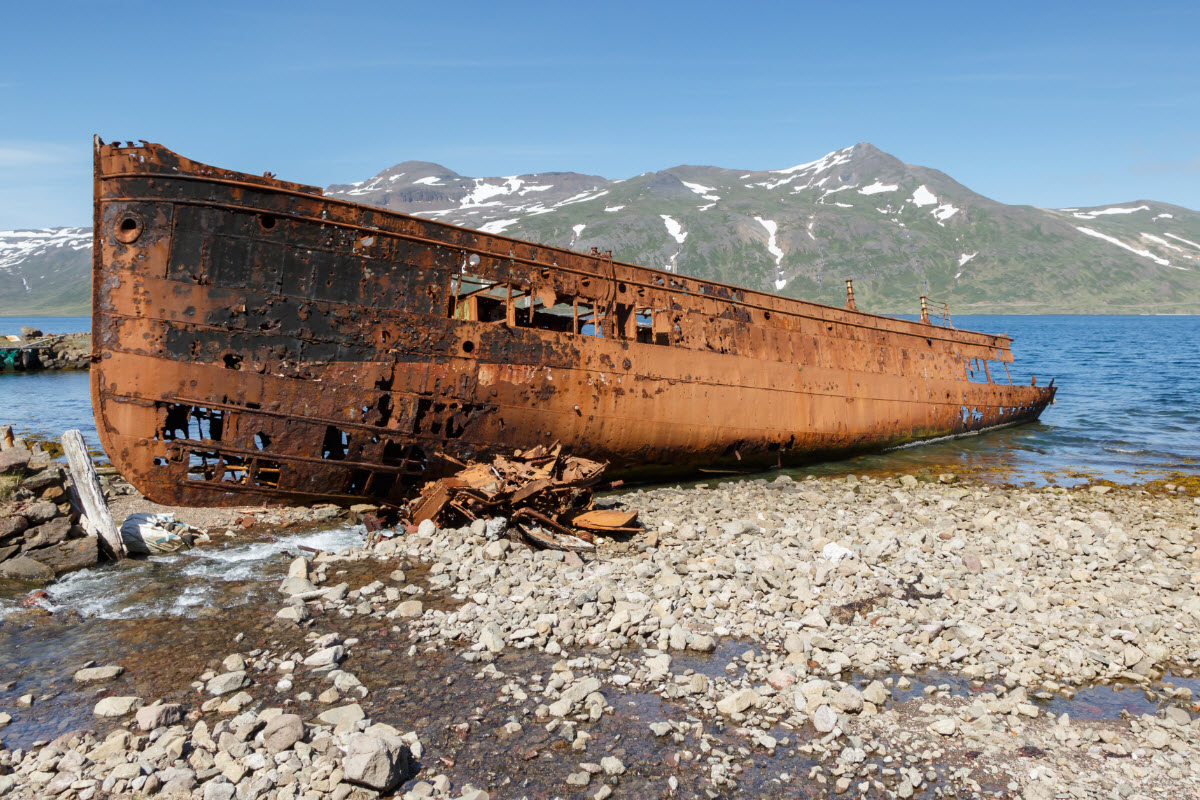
point(1128, 405)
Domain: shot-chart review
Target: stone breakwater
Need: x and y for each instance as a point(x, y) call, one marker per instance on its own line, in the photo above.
point(786, 631)
point(35, 351)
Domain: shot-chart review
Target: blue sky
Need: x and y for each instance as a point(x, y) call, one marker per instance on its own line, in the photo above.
point(1051, 104)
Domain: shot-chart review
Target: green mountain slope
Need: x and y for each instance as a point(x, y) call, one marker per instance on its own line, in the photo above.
point(45, 272)
point(898, 230)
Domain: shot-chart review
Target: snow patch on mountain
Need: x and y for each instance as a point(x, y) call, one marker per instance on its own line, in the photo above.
point(582, 197)
point(497, 225)
point(483, 191)
point(1185, 241)
point(1103, 211)
point(827, 161)
point(1162, 241)
point(674, 228)
point(1129, 247)
point(923, 197)
point(16, 246)
point(774, 249)
point(944, 212)
point(704, 191)
point(877, 187)
point(677, 233)
point(578, 232)
point(962, 262)
point(432, 180)
point(612, 209)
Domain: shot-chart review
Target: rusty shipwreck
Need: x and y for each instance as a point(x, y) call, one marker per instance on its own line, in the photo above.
point(256, 341)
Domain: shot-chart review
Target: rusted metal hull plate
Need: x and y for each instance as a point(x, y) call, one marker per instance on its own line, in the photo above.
point(256, 341)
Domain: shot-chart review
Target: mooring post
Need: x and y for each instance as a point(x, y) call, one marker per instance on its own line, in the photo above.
point(850, 296)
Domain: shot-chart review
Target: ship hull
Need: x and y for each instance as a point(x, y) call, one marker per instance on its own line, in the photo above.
point(255, 341)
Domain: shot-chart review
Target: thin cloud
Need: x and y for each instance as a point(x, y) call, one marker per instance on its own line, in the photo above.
point(15, 155)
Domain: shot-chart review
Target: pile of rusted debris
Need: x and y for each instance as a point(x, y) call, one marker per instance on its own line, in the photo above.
point(545, 496)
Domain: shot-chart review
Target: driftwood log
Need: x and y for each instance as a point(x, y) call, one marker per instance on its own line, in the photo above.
point(97, 520)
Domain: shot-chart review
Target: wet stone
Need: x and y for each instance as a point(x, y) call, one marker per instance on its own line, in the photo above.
point(91, 674)
point(117, 706)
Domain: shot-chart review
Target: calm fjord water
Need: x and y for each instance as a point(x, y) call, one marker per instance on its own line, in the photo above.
point(1128, 404)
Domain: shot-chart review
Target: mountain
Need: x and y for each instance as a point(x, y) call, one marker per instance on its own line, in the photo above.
point(46, 272)
point(898, 230)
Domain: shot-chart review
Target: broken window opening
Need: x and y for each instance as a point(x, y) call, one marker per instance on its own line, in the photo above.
point(589, 320)
point(358, 481)
point(336, 444)
point(262, 441)
point(265, 473)
point(177, 423)
point(381, 483)
point(478, 299)
point(652, 326)
point(214, 467)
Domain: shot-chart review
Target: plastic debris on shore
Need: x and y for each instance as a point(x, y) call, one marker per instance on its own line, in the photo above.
point(546, 496)
point(155, 534)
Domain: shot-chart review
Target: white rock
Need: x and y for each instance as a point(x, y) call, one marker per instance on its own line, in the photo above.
point(117, 706)
point(944, 726)
point(738, 701)
point(91, 674)
point(325, 657)
point(824, 719)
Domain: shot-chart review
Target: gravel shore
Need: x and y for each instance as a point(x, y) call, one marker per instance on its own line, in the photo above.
point(855, 637)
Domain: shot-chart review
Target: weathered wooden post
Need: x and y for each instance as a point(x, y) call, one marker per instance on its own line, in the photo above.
point(90, 495)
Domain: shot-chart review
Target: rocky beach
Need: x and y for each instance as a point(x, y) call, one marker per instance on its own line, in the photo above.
point(872, 637)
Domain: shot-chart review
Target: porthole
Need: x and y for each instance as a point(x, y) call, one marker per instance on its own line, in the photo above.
point(129, 228)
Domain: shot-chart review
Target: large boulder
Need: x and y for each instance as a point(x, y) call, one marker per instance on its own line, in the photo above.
point(92, 674)
point(344, 716)
point(48, 533)
point(13, 527)
point(23, 568)
point(40, 512)
point(159, 715)
point(117, 706)
point(50, 476)
point(228, 682)
point(283, 732)
point(14, 460)
point(377, 762)
point(68, 556)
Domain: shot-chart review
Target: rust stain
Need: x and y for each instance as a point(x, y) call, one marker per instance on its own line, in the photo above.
point(255, 341)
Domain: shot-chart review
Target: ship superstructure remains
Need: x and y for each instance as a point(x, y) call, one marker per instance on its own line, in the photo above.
point(256, 341)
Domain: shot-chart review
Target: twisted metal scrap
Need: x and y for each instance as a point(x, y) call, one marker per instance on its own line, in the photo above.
point(545, 494)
